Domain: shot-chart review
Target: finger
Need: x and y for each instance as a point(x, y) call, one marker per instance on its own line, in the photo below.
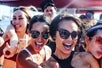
point(7, 45)
point(56, 65)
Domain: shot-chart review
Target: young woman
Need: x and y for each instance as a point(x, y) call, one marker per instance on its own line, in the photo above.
point(37, 53)
point(93, 40)
point(21, 18)
point(64, 30)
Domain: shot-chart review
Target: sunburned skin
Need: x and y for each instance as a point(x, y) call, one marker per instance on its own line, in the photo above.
point(84, 60)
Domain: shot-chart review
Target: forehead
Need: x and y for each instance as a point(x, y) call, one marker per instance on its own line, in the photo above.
point(49, 7)
point(39, 26)
point(99, 32)
point(69, 25)
point(19, 13)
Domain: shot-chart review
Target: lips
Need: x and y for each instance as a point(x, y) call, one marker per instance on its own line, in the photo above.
point(38, 45)
point(17, 26)
point(67, 46)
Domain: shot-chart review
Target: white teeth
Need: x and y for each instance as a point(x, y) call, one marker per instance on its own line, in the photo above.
point(67, 44)
point(39, 43)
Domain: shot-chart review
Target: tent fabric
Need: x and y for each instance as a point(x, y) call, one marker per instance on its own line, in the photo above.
point(59, 4)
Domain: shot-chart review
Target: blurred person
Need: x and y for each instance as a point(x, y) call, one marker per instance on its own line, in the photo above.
point(64, 31)
point(90, 19)
point(49, 10)
point(84, 60)
point(20, 21)
point(37, 52)
point(93, 41)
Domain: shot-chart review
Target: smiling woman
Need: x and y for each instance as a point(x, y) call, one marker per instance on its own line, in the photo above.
point(64, 31)
point(37, 54)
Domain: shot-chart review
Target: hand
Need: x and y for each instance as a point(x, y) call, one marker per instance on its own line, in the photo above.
point(9, 51)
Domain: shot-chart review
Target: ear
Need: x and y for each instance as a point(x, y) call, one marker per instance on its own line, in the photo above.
point(87, 41)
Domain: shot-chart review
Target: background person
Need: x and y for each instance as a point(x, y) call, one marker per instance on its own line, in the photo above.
point(21, 18)
point(49, 10)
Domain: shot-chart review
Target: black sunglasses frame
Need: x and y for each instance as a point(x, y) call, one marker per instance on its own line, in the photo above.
point(35, 34)
point(64, 34)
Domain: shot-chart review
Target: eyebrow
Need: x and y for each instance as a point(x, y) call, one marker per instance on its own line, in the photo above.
point(18, 16)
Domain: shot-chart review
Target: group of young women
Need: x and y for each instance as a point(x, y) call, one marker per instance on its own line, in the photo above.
point(31, 50)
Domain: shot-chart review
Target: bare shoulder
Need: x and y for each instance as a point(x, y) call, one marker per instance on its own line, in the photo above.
point(51, 63)
point(84, 60)
point(48, 52)
point(22, 55)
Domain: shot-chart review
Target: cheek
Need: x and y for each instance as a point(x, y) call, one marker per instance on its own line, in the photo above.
point(45, 41)
point(75, 41)
point(58, 40)
point(93, 47)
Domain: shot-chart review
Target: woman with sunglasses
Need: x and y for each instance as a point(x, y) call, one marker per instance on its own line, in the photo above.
point(37, 52)
point(93, 57)
point(21, 18)
point(64, 31)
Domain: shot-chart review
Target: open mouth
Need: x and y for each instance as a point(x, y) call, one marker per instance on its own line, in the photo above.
point(17, 26)
point(38, 45)
point(67, 46)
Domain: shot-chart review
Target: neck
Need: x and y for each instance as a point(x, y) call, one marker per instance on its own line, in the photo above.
point(61, 55)
point(21, 34)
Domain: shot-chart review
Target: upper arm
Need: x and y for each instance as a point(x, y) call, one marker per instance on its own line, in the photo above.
point(23, 62)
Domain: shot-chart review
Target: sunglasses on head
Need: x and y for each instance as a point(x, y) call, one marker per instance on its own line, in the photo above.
point(64, 34)
point(99, 40)
point(35, 34)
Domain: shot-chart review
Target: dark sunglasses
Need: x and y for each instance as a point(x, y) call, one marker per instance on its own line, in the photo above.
point(35, 34)
point(64, 34)
point(98, 39)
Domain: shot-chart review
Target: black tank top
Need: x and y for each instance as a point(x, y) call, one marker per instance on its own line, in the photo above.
point(65, 63)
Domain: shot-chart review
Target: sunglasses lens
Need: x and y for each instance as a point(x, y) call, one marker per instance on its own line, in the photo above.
point(99, 40)
point(45, 35)
point(74, 34)
point(64, 34)
point(35, 34)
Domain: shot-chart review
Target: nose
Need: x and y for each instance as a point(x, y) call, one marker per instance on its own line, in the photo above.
point(16, 21)
point(39, 38)
point(69, 38)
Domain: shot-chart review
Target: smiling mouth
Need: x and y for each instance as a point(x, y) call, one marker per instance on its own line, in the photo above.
point(67, 46)
point(38, 45)
point(17, 26)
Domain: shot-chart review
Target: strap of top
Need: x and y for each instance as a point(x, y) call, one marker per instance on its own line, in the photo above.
point(29, 53)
